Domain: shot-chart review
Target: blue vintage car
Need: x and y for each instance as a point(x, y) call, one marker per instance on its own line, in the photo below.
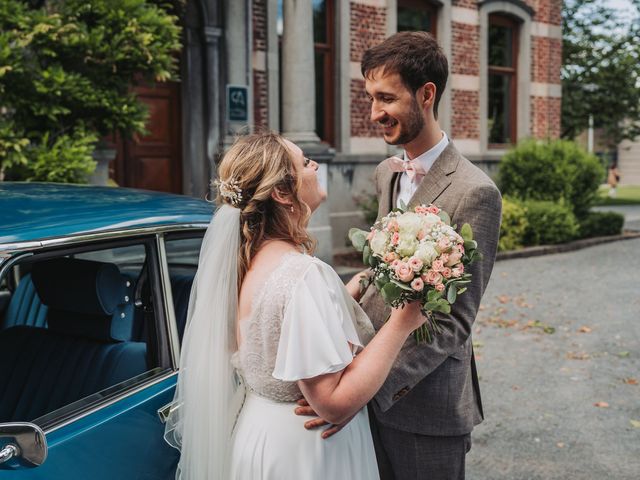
point(94, 287)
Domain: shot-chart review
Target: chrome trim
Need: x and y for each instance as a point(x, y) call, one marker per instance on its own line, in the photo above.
point(11, 261)
point(8, 452)
point(8, 248)
point(165, 278)
point(110, 402)
point(165, 412)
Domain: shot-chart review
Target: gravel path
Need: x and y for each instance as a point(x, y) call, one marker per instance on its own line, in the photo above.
point(558, 348)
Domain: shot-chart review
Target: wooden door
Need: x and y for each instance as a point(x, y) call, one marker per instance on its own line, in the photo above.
point(153, 161)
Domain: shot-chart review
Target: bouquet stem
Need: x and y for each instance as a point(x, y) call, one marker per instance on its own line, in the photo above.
point(424, 333)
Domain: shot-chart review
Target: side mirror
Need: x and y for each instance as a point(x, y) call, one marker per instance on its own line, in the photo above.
point(21, 445)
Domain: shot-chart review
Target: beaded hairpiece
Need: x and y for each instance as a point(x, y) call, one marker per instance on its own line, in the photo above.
point(229, 190)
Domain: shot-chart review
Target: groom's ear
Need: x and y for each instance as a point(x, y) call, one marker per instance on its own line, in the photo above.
point(428, 95)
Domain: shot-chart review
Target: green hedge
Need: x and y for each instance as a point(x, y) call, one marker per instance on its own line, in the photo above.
point(535, 222)
point(514, 225)
point(599, 224)
point(558, 171)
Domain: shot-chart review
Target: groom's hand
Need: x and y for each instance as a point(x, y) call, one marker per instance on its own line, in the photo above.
point(304, 409)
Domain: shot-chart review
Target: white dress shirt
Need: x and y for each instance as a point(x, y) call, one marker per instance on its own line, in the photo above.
point(426, 159)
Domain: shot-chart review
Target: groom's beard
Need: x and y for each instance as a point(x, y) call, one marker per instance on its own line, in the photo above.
point(410, 127)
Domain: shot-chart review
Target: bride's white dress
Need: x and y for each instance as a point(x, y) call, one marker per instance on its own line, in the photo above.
point(303, 324)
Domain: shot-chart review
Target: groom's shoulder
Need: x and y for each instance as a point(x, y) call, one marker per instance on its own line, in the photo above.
point(469, 174)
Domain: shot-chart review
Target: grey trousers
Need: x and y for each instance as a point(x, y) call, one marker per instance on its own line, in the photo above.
point(410, 456)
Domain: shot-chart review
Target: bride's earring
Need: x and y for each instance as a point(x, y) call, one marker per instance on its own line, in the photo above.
point(291, 208)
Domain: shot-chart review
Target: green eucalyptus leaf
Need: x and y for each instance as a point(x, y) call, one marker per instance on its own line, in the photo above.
point(433, 295)
point(390, 293)
point(358, 238)
point(466, 233)
point(366, 254)
point(444, 216)
point(452, 294)
point(470, 245)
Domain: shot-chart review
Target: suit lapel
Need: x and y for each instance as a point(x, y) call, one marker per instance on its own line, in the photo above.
point(437, 178)
point(387, 182)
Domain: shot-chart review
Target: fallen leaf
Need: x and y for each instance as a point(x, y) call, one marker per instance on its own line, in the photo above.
point(584, 329)
point(601, 404)
point(630, 381)
point(515, 387)
point(478, 344)
point(560, 445)
point(503, 299)
point(482, 308)
point(578, 356)
point(623, 354)
point(635, 423)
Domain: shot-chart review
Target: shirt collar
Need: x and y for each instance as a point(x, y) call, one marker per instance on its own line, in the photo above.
point(428, 158)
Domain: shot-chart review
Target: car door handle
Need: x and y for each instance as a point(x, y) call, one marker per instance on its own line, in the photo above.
point(165, 412)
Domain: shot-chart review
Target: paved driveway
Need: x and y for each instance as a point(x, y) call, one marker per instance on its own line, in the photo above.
point(558, 348)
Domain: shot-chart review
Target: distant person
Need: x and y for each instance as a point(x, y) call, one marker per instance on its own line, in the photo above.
point(613, 177)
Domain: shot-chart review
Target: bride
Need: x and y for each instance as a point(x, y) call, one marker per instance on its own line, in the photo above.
point(269, 324)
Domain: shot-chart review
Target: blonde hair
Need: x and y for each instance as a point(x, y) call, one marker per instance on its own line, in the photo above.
point(261, 164)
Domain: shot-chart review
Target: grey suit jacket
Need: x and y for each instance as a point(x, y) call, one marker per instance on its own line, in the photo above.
point(433, 389)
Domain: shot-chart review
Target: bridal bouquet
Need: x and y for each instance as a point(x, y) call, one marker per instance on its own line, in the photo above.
point(418, 255)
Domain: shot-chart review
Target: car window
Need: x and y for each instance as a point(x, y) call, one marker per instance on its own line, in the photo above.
point(182, 259)
point(78, 328)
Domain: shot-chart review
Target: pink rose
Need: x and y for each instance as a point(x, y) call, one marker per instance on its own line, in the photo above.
point(417, 284)
point(445, 258)
point(395, 238)
point(432, 277)
point(433, 209)
point(422, 209)
point(415, 264)
point(390, 257)
point(444, 243)
point(395, 263)
point(454, 258)
point(446, 272)
point(440, 287)
point(437, 265)
point(456, 272)
point(392, 225)
point(404, 272)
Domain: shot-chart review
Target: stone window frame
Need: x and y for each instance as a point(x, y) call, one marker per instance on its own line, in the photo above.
point(524, 15)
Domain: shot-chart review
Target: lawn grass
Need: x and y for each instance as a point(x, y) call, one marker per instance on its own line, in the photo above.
point(625, 195)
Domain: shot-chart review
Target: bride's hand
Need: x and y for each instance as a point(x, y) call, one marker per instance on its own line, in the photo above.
point(353, 286)
point(409, 315)
point(304, 409)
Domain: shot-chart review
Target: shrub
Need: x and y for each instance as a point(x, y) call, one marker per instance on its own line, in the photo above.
point(556, 170)
point(549, 223)
point(599, 224)
point(514, 225)
point(368, 204)
point(68, 67)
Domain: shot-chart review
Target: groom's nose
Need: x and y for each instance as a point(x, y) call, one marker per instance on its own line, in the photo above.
point(377, 114)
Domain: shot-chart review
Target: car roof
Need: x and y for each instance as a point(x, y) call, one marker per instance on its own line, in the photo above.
point(32, 211)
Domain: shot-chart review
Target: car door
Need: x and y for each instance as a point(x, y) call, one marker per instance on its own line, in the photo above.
point(115, 431)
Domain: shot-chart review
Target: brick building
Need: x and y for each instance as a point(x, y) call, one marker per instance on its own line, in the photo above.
point(300, 63)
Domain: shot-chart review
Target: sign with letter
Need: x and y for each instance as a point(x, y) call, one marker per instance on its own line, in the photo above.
point(237, 103)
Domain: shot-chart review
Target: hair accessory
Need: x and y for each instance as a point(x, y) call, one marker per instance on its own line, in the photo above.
point(229, 190)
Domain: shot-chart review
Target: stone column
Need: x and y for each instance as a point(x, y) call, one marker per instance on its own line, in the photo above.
point(298, 73)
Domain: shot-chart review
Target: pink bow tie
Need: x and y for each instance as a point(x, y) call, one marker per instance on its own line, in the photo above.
point(413, 169)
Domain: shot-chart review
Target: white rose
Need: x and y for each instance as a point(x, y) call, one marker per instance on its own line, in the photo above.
point(449, 232)
point(378, 242)
point(427, 252)
point(410, 223)
point(431, 219)
point(407, 245)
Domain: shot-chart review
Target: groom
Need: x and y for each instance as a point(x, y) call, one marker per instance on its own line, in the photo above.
point(423, 415)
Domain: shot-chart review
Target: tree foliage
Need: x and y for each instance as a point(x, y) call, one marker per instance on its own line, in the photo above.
point(66, 72)
point(601, 69)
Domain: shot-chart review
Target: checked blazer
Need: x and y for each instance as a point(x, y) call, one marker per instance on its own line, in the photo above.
point(432, 389)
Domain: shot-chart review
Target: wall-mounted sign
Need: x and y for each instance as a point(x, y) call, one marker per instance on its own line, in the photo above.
point(237, 103)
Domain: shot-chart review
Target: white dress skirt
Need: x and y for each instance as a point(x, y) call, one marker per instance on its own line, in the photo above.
point(303, 324)
point(271, 443)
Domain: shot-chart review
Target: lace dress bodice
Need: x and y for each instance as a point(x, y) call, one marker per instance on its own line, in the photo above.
point(261, 332)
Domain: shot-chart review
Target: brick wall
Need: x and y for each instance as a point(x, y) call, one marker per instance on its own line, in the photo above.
point(465, 48)
point(547, 11)
point(465, 3)
point(368, 27)
point(465, 121)
point(260, 98)
point(545, 117)
point(546, 59)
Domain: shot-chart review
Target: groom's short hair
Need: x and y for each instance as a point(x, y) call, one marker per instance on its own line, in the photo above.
point(415, 56)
